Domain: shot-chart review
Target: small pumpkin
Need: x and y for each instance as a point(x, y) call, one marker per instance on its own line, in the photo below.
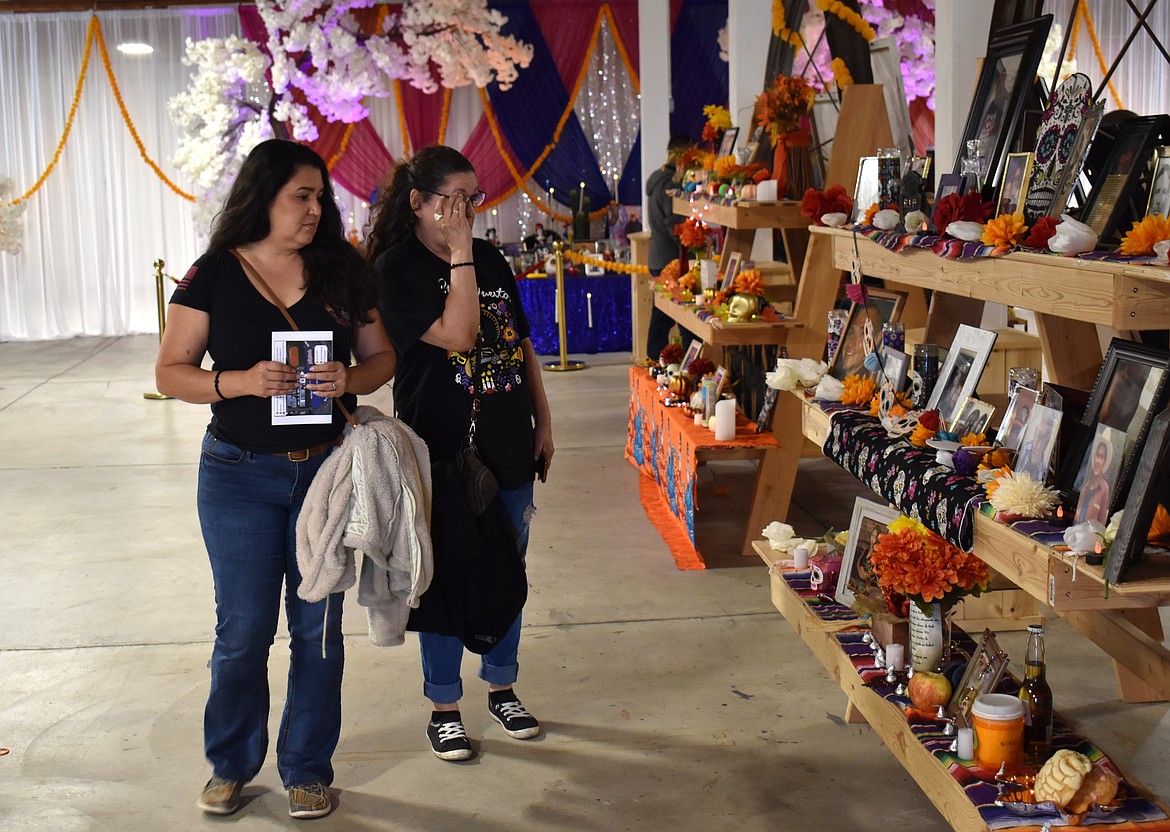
point(747, 191)
point(679, 386)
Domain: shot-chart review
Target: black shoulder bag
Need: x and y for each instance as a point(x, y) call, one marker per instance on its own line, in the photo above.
point(479, 482)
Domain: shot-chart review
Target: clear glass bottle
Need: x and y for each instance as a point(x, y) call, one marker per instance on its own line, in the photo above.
point(1037, 696)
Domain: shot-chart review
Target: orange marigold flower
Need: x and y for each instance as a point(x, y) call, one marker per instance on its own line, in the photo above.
point(869, 212)
point(859, 389)
point(1141, 238)
point(726, 166)
point(973, 439)
point(1004, 230)
point(749, 282)
point(670, 271)
point(921, 434)
point(692, 233)
point(687, 282)
point(875, 405)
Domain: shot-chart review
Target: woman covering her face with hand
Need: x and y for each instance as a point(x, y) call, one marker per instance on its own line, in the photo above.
point(280, 221)
point(452, 310)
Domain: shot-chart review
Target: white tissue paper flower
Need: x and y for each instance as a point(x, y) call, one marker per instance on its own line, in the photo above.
point(963, 230)
point(1084, 537)
point(782, 537)
point(829, 389)
point(1072, 237)
point(1110, 532)
point(784, 377)
point(834, 220)
point(887, 219)
point(1162, 251)
point(916, 221)
point(791, 373)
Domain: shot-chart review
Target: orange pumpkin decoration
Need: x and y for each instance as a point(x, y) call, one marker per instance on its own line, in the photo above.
point(679, 386)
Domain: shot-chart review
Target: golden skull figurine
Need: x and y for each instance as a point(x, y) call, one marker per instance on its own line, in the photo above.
point(742, 307)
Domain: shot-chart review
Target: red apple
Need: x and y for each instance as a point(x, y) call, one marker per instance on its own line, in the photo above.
point(928, 690)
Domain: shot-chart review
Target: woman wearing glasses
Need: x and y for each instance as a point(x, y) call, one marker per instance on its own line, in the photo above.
point(452, 311)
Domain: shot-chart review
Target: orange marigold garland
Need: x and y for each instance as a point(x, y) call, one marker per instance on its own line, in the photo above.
point(849, 16)
point(1141, 238)
point(859, 389)
point(1004, 230)
point(841, 73)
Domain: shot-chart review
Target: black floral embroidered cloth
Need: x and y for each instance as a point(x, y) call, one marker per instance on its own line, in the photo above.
point(908, 477)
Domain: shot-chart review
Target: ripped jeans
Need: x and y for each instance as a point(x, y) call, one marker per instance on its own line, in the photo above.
point(442, 656)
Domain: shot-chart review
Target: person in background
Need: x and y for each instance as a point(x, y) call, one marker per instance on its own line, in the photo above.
point(282, 219)
point(663, 243)
point(450, 302)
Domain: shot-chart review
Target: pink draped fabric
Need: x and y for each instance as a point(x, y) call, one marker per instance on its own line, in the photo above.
point(494, 178)
point(424, 113)
point(566, 26)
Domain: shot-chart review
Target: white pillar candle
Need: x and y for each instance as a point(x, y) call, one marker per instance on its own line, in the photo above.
point(589, 307)
point(556, 309)
point(965, 744)
point(725, 420)
point(895, 656)
point(699, 419)
point(800, 557)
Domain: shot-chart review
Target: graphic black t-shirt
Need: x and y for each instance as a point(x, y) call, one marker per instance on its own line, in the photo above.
point(432, 386)
point(241, 325)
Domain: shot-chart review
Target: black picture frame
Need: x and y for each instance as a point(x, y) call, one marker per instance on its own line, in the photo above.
point(727, 143)
point(1123, 180)
point(1130, 391)
point(1003, 92)
point(886, 306)
point(1151, 488)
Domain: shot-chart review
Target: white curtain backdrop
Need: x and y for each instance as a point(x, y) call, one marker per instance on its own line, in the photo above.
point(93, 230)
point(1142, 80)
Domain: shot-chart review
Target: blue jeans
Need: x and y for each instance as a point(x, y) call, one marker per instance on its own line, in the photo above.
point(248, 508)
point(442, 656)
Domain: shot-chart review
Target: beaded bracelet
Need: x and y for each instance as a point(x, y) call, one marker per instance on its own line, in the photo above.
point(222, 397)
point(461, 265)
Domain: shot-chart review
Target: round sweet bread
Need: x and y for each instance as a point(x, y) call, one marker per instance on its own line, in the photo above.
point(1061, 776)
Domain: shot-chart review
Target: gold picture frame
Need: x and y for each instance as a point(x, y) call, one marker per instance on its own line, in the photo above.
point(1013, 192)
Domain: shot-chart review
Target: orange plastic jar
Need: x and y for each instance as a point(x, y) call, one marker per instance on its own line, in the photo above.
point(998, 720)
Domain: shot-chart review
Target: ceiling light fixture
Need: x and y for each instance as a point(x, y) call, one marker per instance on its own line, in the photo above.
point(135, 48)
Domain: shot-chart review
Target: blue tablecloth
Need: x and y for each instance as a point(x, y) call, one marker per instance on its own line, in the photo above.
point(609, 296)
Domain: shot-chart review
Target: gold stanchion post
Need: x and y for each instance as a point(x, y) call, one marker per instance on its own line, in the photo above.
point(162, 319)
point(562, 335)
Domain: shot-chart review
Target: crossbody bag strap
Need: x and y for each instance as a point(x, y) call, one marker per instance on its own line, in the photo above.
point(254, 273)
point(475, 406)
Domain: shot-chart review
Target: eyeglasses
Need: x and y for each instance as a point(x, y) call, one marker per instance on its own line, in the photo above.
point(476, 199)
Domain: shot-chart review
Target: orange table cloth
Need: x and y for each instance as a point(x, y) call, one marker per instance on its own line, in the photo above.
point(663, 443)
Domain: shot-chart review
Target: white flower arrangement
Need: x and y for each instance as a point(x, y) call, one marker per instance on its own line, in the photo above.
point(319, 52)
point(11, 224)
point(791, 373)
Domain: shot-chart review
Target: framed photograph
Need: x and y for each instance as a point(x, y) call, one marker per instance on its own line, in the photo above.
point(1131, 389)
point(883, 306)
point(1002, 93)
point(960, 374)
point(1015, 418)
point(728, 143)
point(696, 347)
point(1097, 478)
point(1017, 173)
point(921, 166)
point(983, 673)
point(856, 580)
point(895, 363)
point(949, 183)
point(1036, 449)
point(720, 380)
point(1120, 181)
point(1159, 201)
point(729, 276)
point(868, 187)
point(1137, 540)
point(973, 417)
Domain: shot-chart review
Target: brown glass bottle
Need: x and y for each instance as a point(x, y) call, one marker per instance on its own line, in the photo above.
point(1037, 697)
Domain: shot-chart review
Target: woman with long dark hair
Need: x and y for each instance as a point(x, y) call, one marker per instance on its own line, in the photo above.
point(452, 310)
point(279, 241)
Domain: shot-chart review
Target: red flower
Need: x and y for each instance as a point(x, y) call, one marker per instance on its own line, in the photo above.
point(929, 420)
point(1042, 232)
point(700, 367)
point(815, 204)
point(966, 208)
point(671, 354)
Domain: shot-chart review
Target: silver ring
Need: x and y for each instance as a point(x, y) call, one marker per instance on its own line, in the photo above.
point(335, 385)
point(438, 216)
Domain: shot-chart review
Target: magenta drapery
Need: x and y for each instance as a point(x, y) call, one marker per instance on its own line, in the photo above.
point(424, 114)
point(480, 149)
point(566, 26)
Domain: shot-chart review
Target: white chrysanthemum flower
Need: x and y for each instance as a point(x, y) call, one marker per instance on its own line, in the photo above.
point(1020, 495)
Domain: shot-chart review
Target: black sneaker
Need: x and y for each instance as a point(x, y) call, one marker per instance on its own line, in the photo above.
point(448, 736)
point(506, 709)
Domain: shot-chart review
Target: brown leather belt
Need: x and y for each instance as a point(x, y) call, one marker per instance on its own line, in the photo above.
point(309, 453)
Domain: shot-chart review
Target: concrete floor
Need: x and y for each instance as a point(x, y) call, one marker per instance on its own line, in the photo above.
point(670, 700)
